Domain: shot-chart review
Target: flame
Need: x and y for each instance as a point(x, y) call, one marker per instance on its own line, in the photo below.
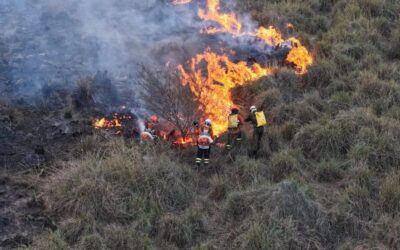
point(213, 90)
point(182, 141)
point(269, 35)
point(180, 2)
point(229, 23)
point(114, 121)
point(299, 56)
point(105, 123)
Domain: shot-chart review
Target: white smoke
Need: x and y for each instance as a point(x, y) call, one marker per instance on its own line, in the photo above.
point(49, 42)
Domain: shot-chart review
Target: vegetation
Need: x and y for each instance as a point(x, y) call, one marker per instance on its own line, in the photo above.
point(328, 177)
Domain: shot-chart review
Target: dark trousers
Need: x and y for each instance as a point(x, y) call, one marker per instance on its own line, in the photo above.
point(258, 134)
point(203, 154)
point(233, 138)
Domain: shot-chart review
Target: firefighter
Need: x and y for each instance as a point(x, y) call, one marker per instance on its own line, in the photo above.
point(257, 119)
point(235, 121)
point(149, 132)
point(204, 142)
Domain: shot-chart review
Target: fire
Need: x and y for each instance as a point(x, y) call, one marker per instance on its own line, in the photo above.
point(105, 123)
point(181, 141)
point(228, 21)
point(179, 2)
point(269, 35)
point(213, 90)
point(299, 56)
point(113, 121)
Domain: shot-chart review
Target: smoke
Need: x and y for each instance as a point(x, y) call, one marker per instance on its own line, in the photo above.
point(49, 44)
point(55, 43)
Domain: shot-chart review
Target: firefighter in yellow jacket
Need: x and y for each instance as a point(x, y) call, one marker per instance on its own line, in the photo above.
point(235, 121)
point(204, 142)
point(257, 119)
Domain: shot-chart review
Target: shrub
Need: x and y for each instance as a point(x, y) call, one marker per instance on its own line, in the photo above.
point(372, 8)
point(294, 218)
point(372, 89)
point(320, 74)
point(50, 241)
point(394, 112)
point(218, 188)
point(288, 130)
point(394, 51)
point(288, 84)
point(269, 99)
point(182, 230)
point(390, 194)
point(359, 201)
point(302, 112)
point(105, 188)
point(244, 171)
point(333, 138)
point(256, 238)
point(73, 228)
point(341, 100)
point(344, 63)
point(124, 238)
point(92, 242)
point(380, 151)
point(119, 185)
point(282, 164)
point(236, 206)
point(329, 172)
point(90, 144)
point(323, 141)
point(387, 231)
point(363, 177)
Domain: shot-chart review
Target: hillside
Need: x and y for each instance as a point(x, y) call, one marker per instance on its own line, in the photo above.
point(327, 176)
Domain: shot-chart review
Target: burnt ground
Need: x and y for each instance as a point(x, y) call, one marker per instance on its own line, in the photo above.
point(30, 138)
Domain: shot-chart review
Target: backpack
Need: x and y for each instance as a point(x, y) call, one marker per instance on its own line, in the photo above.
point(233, 121)
point(260, 118)
point(204, 141)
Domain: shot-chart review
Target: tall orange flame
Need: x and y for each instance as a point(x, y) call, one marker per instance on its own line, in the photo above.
point(213, 89)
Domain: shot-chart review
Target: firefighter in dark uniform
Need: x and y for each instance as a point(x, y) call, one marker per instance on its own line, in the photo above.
point(257, 119)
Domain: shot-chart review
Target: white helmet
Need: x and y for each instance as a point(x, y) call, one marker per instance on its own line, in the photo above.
point(253, 108)
point(208, 122)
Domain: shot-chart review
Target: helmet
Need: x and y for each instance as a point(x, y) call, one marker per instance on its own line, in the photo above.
point(154, 119)
point(253, 108)
point(234, 107)
point(208, 122)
